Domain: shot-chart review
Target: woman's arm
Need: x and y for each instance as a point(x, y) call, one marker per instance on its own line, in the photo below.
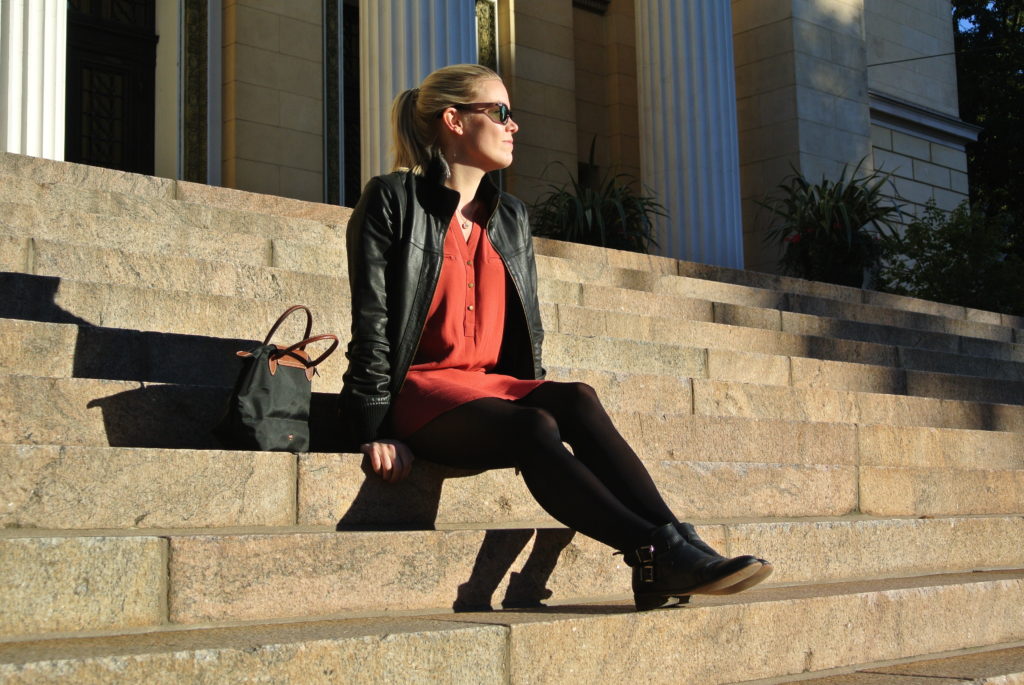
point(534, 323)
point(365, 397)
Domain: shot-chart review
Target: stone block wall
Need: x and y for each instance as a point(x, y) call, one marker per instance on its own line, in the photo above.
point(915, 131)
point(606, 87)
point(901, 32)
point(541, 80)
point(273, 97)
point(922, 169)
point(802, 100)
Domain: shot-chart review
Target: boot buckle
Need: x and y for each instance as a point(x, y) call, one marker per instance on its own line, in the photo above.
point(647, 573)
point(645, 555)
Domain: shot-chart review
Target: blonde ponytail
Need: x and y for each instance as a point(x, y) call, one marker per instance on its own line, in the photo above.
point(414, 112)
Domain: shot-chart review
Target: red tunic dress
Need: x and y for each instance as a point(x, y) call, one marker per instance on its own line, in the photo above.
point(461, 338)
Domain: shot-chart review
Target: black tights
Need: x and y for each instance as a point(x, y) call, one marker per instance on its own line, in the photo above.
point(600, 489)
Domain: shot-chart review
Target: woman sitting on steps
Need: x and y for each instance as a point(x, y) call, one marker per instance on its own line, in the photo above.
point(445, 356)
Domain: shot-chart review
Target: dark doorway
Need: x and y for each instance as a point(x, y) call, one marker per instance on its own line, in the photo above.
point(341, 112)
point(111, 79)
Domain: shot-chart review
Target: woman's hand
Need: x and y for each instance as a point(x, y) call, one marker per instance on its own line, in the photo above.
point(390, 459)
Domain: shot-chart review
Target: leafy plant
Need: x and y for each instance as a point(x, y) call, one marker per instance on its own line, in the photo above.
point(832, 231)
point(605, 212)
point(963, 257)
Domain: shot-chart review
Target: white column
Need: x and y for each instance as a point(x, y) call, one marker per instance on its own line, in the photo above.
point(689, 141)
point(401, 41)
point(33, 44)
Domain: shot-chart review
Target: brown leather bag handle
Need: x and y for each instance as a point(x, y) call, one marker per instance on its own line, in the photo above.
point(288, 312)
point(301, 345)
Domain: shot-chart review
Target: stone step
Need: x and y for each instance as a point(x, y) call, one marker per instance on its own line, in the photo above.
point(877, 404)
point(681, 287)
point(739, 383)
point(166, 211)
point(593, 342)
point(988, 667)
point(251, 278)
point(97, 412)
point(85, 177)
point(334, 489)
point(331, 242)
point(617, 259)
point(66, 180)
point(664, 318)
point(725, 332)
point(707, 467)
point(752, 476)
point(769, 467)
point(178, 273)
point(297, 574)
point(23, 227)
point(877, 620)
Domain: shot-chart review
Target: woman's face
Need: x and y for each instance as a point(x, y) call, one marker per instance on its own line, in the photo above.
point(486, 143)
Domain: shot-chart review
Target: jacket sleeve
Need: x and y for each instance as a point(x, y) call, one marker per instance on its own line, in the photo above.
point(534, 322)
point(365, 396)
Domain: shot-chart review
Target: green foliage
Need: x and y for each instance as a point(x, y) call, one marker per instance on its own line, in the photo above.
point(964, 258)
point(989, 38)
point(608, 213)
point(831, 231)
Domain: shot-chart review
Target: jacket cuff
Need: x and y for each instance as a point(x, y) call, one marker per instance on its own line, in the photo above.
point(366, 417)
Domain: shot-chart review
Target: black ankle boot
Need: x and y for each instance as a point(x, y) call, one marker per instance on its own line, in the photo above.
point(688, 533)
point(669, 567)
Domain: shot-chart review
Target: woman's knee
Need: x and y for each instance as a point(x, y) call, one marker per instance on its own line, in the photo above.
point(556, 396)
point(533, 425)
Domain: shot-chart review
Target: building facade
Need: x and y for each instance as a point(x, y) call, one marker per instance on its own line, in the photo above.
point(708, 103)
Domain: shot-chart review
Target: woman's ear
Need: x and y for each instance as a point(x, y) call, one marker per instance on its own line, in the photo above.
point(452, 121)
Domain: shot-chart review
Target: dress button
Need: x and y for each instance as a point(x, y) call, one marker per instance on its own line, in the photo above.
point(470, 307)
point(470, 285)
point(469, 262)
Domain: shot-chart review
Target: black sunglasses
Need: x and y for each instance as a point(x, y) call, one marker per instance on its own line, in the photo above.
point(498, 112)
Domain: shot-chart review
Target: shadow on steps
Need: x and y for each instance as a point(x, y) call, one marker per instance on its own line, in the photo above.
point(191, 379)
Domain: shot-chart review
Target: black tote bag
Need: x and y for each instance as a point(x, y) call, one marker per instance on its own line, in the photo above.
point(269, 406)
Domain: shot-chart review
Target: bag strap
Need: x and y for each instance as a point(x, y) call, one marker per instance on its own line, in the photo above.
point(301, 345)
point(288, 312)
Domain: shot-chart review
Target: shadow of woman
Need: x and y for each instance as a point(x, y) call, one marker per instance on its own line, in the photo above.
point(413, 503)
point(527, 587)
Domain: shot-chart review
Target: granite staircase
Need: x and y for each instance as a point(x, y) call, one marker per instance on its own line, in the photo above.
point(871, 446)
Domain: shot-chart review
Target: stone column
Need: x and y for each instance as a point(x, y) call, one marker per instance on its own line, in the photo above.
point(33, 44)
point(401, 41)
point(688, 134)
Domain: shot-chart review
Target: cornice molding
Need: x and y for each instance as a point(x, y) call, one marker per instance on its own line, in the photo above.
point(921, 121)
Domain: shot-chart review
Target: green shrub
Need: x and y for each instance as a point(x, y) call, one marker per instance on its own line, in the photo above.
point(832, 231)
point(608, 213)
point(962, 257)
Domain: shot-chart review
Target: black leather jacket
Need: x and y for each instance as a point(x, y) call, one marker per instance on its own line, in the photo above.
point(395, 241)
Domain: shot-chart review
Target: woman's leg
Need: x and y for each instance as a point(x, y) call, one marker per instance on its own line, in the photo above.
point(492, 433)
point(584, 424)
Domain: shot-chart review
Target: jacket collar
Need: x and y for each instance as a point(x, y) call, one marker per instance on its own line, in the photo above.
point(442, 201)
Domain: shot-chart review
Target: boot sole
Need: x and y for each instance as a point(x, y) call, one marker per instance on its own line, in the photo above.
point(760, 576)
point(646, 601)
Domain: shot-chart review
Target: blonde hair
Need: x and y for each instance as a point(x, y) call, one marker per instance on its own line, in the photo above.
point(414, 112)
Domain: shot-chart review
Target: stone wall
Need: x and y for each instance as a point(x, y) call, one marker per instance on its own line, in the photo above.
point(922, 169)
point(541, 79)
point(901, 30)
point(606, 88)
point(915, 131)
point(273, 97)
point(802, 100)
